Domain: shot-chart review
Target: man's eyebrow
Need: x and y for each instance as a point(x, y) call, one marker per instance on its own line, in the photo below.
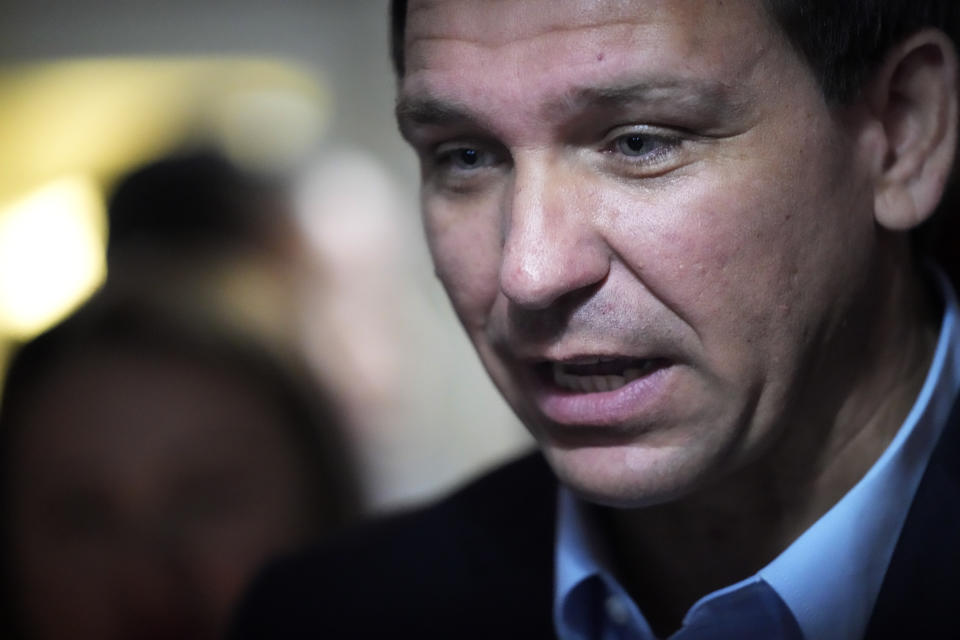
point(411, 111)
point(698, 94)
point(689, 95)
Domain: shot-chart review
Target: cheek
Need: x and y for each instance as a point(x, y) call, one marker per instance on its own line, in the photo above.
point(705, 243)
point(466, 249)
point(739, 256)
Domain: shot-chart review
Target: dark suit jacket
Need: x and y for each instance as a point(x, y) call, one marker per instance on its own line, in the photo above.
point(480, 565)
point(920, 597)
point(476, 565)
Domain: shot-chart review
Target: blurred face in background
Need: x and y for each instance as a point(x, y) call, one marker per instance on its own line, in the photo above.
point(145, 491)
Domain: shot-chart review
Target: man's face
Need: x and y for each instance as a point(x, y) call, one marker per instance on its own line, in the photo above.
point(649, 222)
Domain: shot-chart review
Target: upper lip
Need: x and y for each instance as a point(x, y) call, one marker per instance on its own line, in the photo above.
point(589, 359)
point(579, 365)
point(590, 350)
point(558, 356)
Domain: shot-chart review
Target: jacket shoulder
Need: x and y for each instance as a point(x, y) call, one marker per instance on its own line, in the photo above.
point(921, 589)
point(476, 564)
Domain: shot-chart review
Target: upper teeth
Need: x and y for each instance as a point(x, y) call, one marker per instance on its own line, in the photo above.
point(593, 384)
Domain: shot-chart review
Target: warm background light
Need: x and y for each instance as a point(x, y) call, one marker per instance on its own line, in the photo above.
point(51, 253)
point(104, 116)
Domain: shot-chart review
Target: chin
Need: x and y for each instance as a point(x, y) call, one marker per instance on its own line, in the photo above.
point(628, 477)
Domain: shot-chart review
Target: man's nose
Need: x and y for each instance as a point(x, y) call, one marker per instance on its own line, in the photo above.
point(552, 245)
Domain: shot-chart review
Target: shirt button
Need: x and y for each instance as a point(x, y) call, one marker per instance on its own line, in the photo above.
point(617, 610)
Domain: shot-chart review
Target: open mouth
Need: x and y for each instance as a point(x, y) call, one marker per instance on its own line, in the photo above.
point(598, 374)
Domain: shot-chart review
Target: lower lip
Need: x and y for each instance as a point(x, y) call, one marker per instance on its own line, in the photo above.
point(630, 403)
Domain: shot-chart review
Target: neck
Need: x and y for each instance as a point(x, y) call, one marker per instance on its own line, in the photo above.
point(673, 554)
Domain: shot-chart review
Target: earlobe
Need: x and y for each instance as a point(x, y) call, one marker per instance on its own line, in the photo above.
point(914, 97)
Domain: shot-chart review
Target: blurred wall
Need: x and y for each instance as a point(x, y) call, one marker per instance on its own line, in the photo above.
point(345, 40)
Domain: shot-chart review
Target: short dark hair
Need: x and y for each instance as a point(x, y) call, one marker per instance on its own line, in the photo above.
point(842, 40)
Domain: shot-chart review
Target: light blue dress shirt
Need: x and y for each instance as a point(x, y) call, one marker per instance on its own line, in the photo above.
point(829, 577)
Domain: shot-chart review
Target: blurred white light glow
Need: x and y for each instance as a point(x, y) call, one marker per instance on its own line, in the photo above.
point(51, 254)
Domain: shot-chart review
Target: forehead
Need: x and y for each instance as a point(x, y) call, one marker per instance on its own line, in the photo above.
point(532, 47)
point(503, 21)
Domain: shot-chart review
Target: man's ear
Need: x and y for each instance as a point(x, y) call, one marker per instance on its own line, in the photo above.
point(913, 95)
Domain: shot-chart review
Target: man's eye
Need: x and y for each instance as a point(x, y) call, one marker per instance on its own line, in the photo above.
point(644, 151)
point(465, 158)
point(642, 145)
point(462, 166)
point(635, 144)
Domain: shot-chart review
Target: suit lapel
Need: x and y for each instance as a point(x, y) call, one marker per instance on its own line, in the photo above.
point(920, 595)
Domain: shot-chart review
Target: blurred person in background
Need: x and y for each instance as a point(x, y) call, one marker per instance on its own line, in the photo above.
point(197, 231)
point(150, 464)
point(163, 442)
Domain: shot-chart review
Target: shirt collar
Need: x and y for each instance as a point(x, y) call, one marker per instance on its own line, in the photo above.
point(833, 596)
point(581, 558)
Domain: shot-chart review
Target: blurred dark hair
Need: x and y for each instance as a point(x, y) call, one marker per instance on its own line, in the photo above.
point(843, 41)
point(189, 198)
